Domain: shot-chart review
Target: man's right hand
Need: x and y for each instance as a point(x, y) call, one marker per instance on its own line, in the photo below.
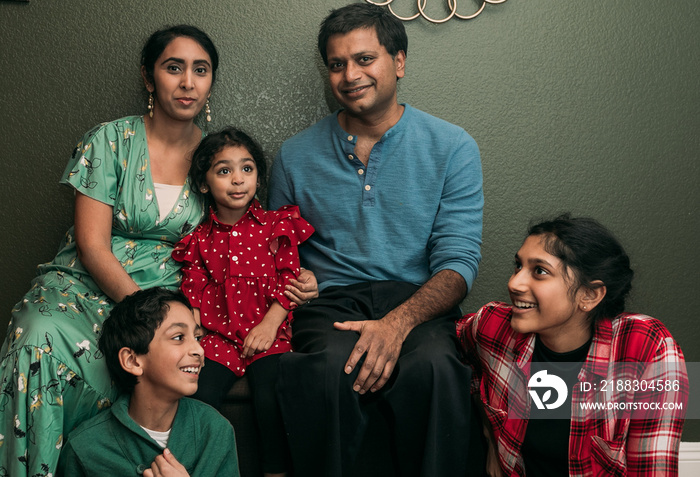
point(380, 342)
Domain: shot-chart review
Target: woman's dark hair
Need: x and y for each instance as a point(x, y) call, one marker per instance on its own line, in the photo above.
point(213, 144)
point(132, 323)
point(590, 252)
point(158, 41)
point(390, 30)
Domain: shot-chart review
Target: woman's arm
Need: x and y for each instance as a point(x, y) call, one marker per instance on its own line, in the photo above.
point(93, 241)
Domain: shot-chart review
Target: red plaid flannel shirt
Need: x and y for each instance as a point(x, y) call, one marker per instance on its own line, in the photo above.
point(613, 445)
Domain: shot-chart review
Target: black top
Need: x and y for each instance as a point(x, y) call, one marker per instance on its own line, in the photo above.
point(546, 446)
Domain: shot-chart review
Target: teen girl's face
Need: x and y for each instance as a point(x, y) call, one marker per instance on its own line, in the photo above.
point(543, 303)
point(232, 180)
point(182, 79)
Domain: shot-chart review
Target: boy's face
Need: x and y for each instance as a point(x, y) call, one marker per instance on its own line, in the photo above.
point(174, 359)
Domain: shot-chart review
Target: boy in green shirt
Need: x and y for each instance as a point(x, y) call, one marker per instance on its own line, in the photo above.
point(151, 345)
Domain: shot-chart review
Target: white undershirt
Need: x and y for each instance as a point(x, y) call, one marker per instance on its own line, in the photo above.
point(161, 437)
point(166, 195)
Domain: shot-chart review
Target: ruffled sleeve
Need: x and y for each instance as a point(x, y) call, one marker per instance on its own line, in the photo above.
point(194, 275)
point(289, 231)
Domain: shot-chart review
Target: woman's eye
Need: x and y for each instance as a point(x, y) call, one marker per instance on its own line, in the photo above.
point(173, 68)
point(541, 271)
point(178, 337)
point(199, 337)
point(517, 266)
point(223, 171)
point(247, 169)
point(201, 71)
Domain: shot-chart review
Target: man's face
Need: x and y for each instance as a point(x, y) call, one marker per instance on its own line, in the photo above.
point(362, 73)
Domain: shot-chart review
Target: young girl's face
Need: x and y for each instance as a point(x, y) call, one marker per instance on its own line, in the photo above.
point(543, 303)
point(232, 179)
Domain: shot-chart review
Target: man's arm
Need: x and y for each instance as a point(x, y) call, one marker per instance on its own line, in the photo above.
point(381, 340)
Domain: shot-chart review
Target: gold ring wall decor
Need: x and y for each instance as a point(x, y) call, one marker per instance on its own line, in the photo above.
point(451, 4)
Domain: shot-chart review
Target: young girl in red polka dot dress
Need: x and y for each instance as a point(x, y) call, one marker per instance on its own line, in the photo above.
point(236, 266)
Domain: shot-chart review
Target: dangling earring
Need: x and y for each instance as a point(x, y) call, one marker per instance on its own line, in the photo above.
point(207, 111)
point(150, 105)
point(204, 189)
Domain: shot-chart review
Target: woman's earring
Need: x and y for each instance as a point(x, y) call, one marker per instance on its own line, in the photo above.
point(207, 111)
point(150, 105)
point(204, 189)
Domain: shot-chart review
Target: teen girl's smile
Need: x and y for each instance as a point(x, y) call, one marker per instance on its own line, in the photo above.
point(232, 180)
point(543, 299)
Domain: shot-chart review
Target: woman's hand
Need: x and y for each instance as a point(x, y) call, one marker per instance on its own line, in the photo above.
point(493, 468)
point(304, 289)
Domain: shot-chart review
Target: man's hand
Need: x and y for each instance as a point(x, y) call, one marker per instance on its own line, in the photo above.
point(166, 465)
point(304, 289)
point(380, 341)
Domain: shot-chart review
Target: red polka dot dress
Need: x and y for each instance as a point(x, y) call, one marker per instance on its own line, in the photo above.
point(233, 274)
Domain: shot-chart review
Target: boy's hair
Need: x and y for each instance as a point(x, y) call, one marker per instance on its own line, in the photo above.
point(390, 30)
point(132, 324)
point(213, 144)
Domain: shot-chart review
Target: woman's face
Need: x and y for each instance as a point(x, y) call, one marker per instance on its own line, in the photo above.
point(182, 79)
point(543, 303)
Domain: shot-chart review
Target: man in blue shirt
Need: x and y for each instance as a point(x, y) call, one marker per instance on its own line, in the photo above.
point(396, 198)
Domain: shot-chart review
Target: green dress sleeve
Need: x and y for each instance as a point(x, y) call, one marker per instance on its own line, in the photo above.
point(95, 168)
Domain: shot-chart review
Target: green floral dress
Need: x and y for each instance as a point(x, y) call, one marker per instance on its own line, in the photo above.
point(52, 375)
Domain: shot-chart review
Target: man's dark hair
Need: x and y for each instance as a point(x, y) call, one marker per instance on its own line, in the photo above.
point(132, 324)
point(390, 30)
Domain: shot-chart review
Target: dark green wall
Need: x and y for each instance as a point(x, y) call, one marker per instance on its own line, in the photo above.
point(577, 105)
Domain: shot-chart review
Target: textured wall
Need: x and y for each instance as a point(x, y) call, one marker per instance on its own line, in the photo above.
point(582, 106)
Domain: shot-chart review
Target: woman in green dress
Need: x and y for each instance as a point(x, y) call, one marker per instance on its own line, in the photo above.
point(133, 203)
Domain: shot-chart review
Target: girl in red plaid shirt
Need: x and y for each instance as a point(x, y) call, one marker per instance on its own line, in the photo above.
point(543, 362)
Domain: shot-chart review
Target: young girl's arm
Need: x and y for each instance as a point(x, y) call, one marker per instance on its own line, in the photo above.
point(195, 276)
point(261, 337)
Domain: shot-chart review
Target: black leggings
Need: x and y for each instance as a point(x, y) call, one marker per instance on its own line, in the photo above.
point(215, 381)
